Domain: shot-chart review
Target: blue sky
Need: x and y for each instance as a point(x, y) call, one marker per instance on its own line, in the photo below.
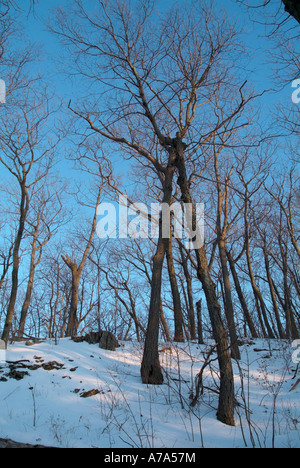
point(260, 72)
point(259, 69)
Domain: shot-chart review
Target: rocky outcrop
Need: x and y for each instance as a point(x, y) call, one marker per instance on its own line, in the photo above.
point(105, 339)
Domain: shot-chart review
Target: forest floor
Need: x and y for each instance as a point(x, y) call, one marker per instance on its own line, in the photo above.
point(76, 395)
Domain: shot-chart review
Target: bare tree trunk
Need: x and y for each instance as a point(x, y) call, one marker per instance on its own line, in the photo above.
point(226, 399)
point(29, 289)
point(72, 326)
point(291, 327)
point(164, 324)
point(76, 271)
point(24, 206)
point(199, 322)
point(260, 305)
point(178, 316)
point(150, 369)
point(235, 352)
point(241, 297)
point(190, 305)
point(151, 372)
point(272, 292)
point(6, 259)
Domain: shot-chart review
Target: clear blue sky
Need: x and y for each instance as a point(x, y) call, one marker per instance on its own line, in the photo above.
point(259, 75)
point(260, 72)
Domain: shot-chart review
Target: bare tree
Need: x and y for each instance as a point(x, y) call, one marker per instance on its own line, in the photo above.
point(44, 220)
point(26, 152)
point(152, 112)
point(76, 267)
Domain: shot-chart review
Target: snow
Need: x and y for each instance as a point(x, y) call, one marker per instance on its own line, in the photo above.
point(46, 407)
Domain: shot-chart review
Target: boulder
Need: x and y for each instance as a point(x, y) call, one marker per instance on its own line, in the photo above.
point(105, 339)
point(93, 337)
point(108, 341)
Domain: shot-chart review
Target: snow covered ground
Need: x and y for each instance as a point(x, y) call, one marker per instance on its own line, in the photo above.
point(48, 406)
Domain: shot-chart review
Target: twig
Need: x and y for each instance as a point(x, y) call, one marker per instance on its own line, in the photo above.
point(199, 377)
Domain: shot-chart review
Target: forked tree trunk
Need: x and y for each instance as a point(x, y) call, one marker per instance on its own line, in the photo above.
point(76, 271)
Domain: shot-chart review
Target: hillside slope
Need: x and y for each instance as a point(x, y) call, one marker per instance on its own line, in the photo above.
point(75, 395)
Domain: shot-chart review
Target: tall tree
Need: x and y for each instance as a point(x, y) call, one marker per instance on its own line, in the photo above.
point(43, 222)
point(166, 74)
point(26, 152)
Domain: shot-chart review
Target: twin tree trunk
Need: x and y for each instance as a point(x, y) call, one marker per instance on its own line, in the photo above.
point(150, 370)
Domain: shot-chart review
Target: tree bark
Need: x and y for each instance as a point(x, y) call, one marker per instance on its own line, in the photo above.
point(151, 372)
point(178, 316)
point(72, 326)
point(199, 322)
point(26, 303)
point(241, 297)
point(235, 352)
point(190, 305)
point(272, 292)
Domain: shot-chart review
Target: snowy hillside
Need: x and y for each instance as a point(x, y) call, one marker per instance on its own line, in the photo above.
point(76, 395)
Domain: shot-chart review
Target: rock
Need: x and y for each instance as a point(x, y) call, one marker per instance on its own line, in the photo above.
point(7, 443)
point(16, 374)
point(78, 339)
point(48, 366)
point(89, 394)
point(108, 341)
point(93, 337)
